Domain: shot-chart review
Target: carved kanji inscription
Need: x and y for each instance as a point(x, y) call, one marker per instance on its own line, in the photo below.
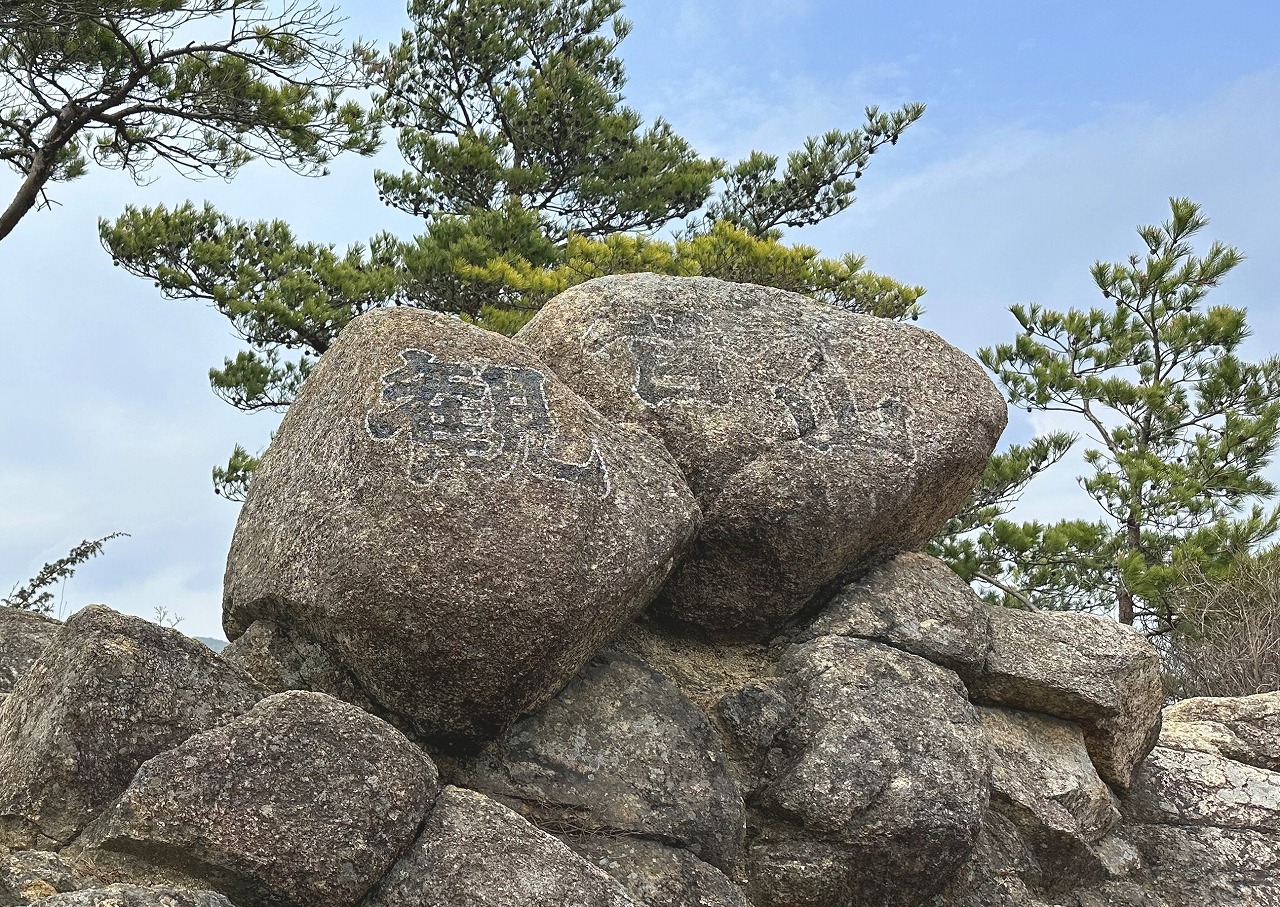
point(468, 415)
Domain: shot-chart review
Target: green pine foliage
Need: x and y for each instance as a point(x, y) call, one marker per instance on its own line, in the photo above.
point(530, 175)
point(203, 85)
point(1006, 477)
point(1180, 429)
point(514, 108)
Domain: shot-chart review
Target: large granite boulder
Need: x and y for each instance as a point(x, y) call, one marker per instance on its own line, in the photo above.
point(875, 793)
point(107, 694)
point(1189, 788)
point(818, 441)
point(453, 523)
point(448, 538)
point(619, 751)
point(474, 851)
point(305, 801)
point(23, 636)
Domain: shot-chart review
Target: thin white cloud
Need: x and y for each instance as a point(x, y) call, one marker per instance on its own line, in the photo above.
point(729, 113)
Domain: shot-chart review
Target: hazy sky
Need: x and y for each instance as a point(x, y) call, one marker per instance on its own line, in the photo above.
point(1053, 129)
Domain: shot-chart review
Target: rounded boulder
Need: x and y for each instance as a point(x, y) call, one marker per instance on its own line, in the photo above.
point(819, 442)
point(454, 525)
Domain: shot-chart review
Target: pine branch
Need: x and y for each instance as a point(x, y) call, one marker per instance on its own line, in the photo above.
point(35, 594)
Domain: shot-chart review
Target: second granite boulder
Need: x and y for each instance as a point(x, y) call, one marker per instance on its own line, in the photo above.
point(819, 442)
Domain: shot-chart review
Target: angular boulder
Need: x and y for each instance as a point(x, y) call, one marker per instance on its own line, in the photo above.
point(1176, 787)
point(819, 442)
point(458, 528)
point(305, 801)
point(475, 851)
point(108, 693)
point(23, 636)
point(1091, 670)
point(1208, 829)
point(619, 751)
point(915, 603)
point(1244, 729)
point(875, 793)
point(1043, 782)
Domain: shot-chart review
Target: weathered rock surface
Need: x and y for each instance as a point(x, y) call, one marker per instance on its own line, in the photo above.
point(819, 442)
point(1043, 782)
point(915, 603)
point(1090, 670)
point(1189, 788)
point(1048, 834)
point(1197, 829)
point(23, 636)
point(282, 658)
point(997, 871)
point(436, 485)
point(657, 875)
point(305, 801)
point(1006, 869)
point(619, 751)
point(704, 669)
point(137, 896)
point(876, 792)
point(1244, 729)
point(754, 716)
point(1207, 865)
point(1208, 829)
point(108, 693)
point(474, 851)
point(33, 875)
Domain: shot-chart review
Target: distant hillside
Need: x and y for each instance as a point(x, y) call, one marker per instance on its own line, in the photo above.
point(213, 643)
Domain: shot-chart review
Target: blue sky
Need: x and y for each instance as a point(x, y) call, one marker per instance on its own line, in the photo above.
point(1052, 130)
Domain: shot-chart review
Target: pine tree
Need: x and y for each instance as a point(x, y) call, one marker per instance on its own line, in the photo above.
point(203, 85)
point(530, 174)
point(1181, 430)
